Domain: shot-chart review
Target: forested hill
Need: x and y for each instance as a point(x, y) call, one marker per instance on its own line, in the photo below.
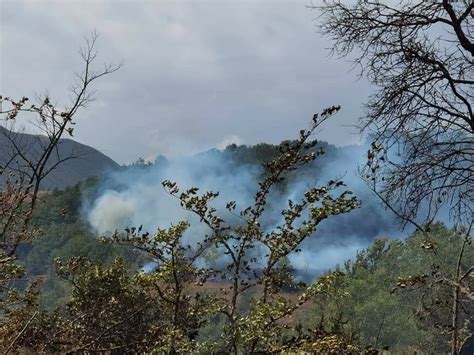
point(88, 162)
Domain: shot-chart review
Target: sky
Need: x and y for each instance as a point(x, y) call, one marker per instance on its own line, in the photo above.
point(196, 74)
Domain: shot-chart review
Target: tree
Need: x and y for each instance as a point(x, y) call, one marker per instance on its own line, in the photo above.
point(419, 55)
point(29, 163)
point(23, 167)
point(447, 302)
point(397, 294)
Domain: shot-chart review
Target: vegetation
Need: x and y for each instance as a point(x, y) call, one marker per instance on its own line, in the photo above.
point(233, 289)
point(380, 309)
point(418, 56)
point(365, 304)
point(172, 300)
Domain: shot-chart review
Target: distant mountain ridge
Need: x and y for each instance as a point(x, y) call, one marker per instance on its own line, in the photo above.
point(89, 162)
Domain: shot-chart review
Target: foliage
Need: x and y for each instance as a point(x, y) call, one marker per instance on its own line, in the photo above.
point(379, 309)
point(419, 57)
point(23, 168)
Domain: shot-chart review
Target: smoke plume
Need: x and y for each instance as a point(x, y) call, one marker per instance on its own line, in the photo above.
point(134, 196)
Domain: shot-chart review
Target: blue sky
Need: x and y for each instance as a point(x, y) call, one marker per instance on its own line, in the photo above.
point(196, 74)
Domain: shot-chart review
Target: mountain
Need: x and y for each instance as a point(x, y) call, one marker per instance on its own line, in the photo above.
point(88, 162)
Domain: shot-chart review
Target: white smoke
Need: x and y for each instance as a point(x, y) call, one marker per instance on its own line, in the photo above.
point(134, 197)
point(112, 211)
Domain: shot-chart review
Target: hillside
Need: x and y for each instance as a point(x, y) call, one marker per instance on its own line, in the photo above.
point(89, 162)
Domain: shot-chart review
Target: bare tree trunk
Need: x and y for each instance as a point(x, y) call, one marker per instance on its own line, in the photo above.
point(454, 324)
point(455, 314)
